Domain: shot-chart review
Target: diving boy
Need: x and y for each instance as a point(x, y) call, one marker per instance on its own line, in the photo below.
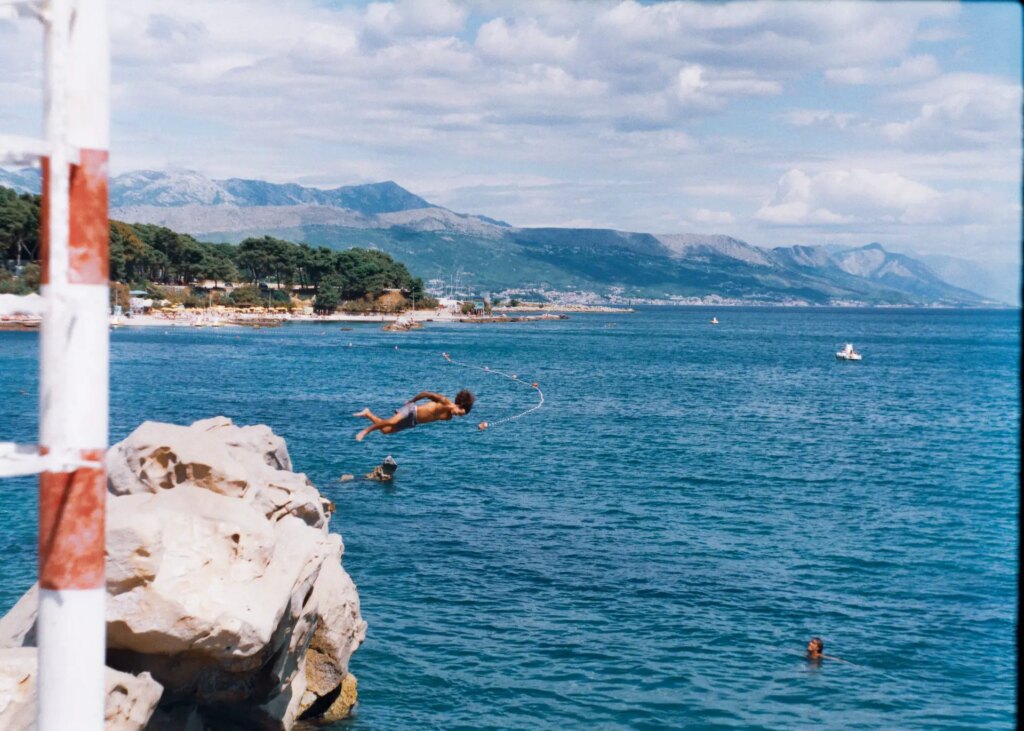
point(439, 408)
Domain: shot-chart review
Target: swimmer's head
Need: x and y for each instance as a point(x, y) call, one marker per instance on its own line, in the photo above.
point(815, 647)
point(465, 400)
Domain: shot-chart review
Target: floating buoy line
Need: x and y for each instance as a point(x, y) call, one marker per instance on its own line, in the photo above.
point(510, 376)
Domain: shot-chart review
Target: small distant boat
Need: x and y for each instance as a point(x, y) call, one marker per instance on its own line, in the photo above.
point(714, 320)
point(848, 353)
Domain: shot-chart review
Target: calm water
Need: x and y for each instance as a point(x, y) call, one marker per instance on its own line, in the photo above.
point(654, 547)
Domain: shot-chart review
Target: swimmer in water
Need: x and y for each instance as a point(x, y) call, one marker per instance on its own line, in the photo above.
point(439, 408)
point(816, 652)
point(815, 649)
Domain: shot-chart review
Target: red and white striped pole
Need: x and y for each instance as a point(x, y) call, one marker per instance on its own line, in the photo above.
point(74, 368)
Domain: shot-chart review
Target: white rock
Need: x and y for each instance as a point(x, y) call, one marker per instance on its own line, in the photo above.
point(221, 572)
point(223, 582)
point(250, 463)
point(130, 699)
point(18, 626)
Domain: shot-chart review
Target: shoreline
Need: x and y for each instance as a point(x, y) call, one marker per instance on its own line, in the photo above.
point(524, 313)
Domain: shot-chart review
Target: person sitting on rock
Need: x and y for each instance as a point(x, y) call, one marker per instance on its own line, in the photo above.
point(440, 408)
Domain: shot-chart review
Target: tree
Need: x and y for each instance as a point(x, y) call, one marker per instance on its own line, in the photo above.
point(216, 265)
point(127, 253)
point(19, 226)
point(328, 296)
point(265, 256)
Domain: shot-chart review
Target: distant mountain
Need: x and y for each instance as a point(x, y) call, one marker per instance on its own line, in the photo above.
point(149, 188)
point(999, 281)
point(184, 188)
point(434, 241)
point(25, 180)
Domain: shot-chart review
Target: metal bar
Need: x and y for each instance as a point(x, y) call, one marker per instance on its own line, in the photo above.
point(22, 150)
point(30, 304)
point(74, 368)
point(18, 460)
point(11, 9)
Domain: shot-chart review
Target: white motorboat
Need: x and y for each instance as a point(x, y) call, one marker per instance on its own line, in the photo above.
point(848, 353)
point(714, 320)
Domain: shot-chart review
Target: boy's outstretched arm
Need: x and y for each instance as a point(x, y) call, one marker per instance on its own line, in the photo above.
point(436, 397)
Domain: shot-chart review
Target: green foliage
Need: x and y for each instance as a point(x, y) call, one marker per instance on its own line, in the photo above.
point(9, 284)
point(19, 226)
point(264, 257)
point(328, 295)
point(145, 254)
point(248, 296)
point(196, 301)
point(468, 308)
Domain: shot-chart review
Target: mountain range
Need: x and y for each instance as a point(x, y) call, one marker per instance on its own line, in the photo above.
point(494, 256)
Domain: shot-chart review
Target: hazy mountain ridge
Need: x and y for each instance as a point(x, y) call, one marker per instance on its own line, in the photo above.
point(434, 241)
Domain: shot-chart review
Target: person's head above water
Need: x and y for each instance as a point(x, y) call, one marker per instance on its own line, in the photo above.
point(464, 400)
point(815, 647)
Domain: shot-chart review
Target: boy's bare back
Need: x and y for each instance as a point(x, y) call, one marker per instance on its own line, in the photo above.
point(436, 411)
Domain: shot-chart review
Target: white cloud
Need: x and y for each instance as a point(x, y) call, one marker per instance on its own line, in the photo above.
point(523, 41)
point(957, 110)
point(411, 17)
point(861, 196)
point(819, 118)
point(705, 215)
point(608, 111)
point(913, 68)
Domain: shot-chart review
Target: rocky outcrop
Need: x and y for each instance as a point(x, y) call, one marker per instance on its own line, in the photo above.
point(223, 581)
point(130, 699)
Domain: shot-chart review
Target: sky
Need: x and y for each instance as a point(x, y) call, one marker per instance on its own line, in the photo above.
point(777, 123)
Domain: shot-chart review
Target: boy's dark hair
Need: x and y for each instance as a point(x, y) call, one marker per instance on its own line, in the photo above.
point(464, 400)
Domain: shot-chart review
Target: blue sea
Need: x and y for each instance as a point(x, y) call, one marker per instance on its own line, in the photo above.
point(655, 546)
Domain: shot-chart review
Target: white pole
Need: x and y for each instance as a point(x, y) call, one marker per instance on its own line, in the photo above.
point(74, 368)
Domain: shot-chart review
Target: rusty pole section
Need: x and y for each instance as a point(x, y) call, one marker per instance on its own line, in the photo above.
point(74, 367)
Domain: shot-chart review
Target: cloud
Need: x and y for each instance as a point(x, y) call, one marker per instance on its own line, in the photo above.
point(414, 17)
point(858, 196)
point(959, 110)
point(705, 215)
point(820, 118)
point(523, 41)
point(909, 69)
point(695, 88)
point(616, 110)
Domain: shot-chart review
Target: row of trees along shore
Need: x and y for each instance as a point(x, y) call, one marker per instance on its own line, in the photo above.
point(177, 267)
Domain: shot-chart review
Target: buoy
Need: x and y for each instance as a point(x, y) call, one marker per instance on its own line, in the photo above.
point(535, 385)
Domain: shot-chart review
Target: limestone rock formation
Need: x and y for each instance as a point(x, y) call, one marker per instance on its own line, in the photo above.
point(223, 581)
point(130, 699)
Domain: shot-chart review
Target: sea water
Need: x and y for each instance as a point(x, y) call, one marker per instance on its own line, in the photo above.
point(654, 547)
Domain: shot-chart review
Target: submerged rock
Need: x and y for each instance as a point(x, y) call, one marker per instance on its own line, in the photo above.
point(223, 582)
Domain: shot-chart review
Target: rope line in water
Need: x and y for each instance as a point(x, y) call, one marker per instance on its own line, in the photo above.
point(512, 377)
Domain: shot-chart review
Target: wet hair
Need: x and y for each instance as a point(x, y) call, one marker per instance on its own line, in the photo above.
point(464, 400)
point(819, 646)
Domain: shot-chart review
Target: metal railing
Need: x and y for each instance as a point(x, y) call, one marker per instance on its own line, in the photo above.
point(73, 359)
